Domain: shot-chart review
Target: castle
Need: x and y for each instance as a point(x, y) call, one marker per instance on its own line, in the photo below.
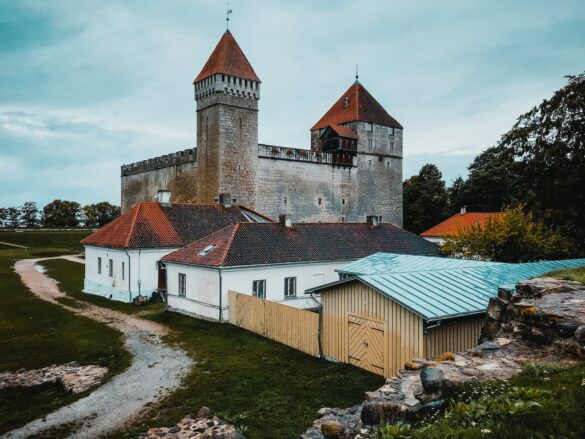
point(353, 169)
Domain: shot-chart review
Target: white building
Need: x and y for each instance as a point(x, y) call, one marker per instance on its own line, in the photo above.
point(276, 261)
point(122, 258)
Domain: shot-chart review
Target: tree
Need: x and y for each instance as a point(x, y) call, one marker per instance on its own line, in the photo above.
point(13, 217)
point(493, 181)
point(29, 214)
point(425, 199)
point(61, 213)
point(457, 194)
point(3, 216)
point(549, 140)
point(515, 237)
point(100, 214)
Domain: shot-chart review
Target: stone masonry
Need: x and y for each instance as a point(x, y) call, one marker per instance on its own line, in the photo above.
point(271, 179)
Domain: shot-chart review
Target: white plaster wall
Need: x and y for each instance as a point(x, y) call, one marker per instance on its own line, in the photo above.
point(201, 292)
point(141, 269)
point(202, 285)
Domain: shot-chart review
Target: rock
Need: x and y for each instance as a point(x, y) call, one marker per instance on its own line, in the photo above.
point(324, 411)
point(470, 372)
point(410, 365)
point(332, 429)
point(376, 412)
point(174, 430)
point(487, 346)
point(567, 329)
point(431, 379)
point(446, 356)
point(204, 412)
point(580, 335)
point(501, 341)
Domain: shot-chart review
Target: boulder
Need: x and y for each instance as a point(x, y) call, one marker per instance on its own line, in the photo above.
point(567, 329)
point(580, 335)
point(411, 365)
point(431, 378)
point(332, 429)
point(376, 412)
point(204, 412)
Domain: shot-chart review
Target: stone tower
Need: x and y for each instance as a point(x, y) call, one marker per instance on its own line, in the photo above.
point(227, 92)
point(377, 154)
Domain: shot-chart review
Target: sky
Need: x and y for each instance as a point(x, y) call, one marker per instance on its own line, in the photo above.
point(88, 86)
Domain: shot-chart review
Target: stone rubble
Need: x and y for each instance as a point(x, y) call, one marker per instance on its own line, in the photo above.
point(203, 426)
point(73, 377)
point(541, 320)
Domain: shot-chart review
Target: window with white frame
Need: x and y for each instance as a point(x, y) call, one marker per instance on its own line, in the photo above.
point(259, 288)
point(110, 268)
point(182, 284)
point(99, 265)
point(290, 286)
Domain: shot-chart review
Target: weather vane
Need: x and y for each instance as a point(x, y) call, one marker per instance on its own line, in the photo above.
point(227, 16)
point(357, 76)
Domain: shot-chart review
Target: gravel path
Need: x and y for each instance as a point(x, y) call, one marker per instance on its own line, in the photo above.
point(156, 368)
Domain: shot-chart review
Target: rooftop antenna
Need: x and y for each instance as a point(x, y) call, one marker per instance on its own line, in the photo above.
point(227, 16)
point(357, 76)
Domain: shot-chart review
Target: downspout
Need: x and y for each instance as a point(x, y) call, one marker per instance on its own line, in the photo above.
point(220, 301)
point(436, 325)
point(139, 282)
point(319, 325)
point(129, 274)
point(165, 295)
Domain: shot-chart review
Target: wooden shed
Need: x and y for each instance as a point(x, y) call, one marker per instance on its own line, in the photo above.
point(388, 309)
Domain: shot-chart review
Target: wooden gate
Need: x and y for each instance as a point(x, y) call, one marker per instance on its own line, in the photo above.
point(366, 343)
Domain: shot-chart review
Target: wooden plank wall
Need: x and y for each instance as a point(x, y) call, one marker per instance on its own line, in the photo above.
point(455, 335)
point(403, 338)
point(293, 327)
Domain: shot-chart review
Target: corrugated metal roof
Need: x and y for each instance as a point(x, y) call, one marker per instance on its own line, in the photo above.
point(441, 288)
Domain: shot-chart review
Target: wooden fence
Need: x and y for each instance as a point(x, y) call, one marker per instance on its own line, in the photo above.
point(293, 327)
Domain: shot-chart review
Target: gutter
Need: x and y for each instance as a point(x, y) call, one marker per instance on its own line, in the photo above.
point(129, 274)
point(319, 325)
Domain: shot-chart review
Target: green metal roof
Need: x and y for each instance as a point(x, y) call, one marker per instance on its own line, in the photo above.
point(441, 288)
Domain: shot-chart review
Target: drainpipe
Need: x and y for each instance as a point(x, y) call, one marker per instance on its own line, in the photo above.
point(165, 295)
point(436, 325)
point(129, 274)
point(319, 326)
point(139, 281)
point(220, 301)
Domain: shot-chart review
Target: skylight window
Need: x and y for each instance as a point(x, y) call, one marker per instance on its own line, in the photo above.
point(206, 250)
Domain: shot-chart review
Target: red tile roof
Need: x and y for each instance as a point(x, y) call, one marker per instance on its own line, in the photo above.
point(153, 225)
point(452, 225)
point(228, 58)
point(273, 243)
point(360, 105)
point(344, 131)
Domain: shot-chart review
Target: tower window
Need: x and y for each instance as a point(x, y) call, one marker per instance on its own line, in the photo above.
point(319, 201)
point(343, 201)
point(284, 200)
point(370, 142)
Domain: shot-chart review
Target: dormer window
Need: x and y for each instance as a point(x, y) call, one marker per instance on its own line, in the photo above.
point(206, 250)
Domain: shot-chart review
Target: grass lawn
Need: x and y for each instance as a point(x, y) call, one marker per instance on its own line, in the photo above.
point(70, 277)
point(271, 390)
point(47, 243)
point(577, 274)
point(545, 401)
point(34, 334)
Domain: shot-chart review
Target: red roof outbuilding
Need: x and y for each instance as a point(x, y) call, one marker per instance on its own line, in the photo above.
point(452, 225)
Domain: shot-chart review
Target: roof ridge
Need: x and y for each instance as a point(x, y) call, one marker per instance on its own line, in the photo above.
point(132, 224)
point(229, 243)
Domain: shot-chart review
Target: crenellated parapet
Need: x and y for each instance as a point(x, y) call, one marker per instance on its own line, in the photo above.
point(176, 158)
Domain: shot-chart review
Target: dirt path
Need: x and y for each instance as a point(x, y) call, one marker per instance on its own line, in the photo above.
point(156, 368)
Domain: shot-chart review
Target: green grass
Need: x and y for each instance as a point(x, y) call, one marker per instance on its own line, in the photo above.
point(272, 390)
point(34, 334)
point(65, 240)
point(70, 277)
point(544, 401)
point(577, 274)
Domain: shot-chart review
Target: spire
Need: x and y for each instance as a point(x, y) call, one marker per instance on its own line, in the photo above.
point(356, 104)
point(357, 75)
point(228, 58)
point(227, 17)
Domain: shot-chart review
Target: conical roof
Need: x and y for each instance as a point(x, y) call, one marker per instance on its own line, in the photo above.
point(228, 58)
point(356, 104)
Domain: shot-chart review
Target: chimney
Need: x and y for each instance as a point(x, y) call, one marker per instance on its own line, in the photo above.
point(373, 220)
point(225, 200)
point(463, 210)
point(163, 196)
point(285, 220)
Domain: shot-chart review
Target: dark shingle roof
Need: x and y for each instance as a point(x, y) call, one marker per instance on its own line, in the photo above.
point(273, 243)
point(153, 225)
point(356, 104)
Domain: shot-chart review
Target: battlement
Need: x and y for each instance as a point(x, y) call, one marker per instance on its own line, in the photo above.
point(298, 155)
point(176, 158)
